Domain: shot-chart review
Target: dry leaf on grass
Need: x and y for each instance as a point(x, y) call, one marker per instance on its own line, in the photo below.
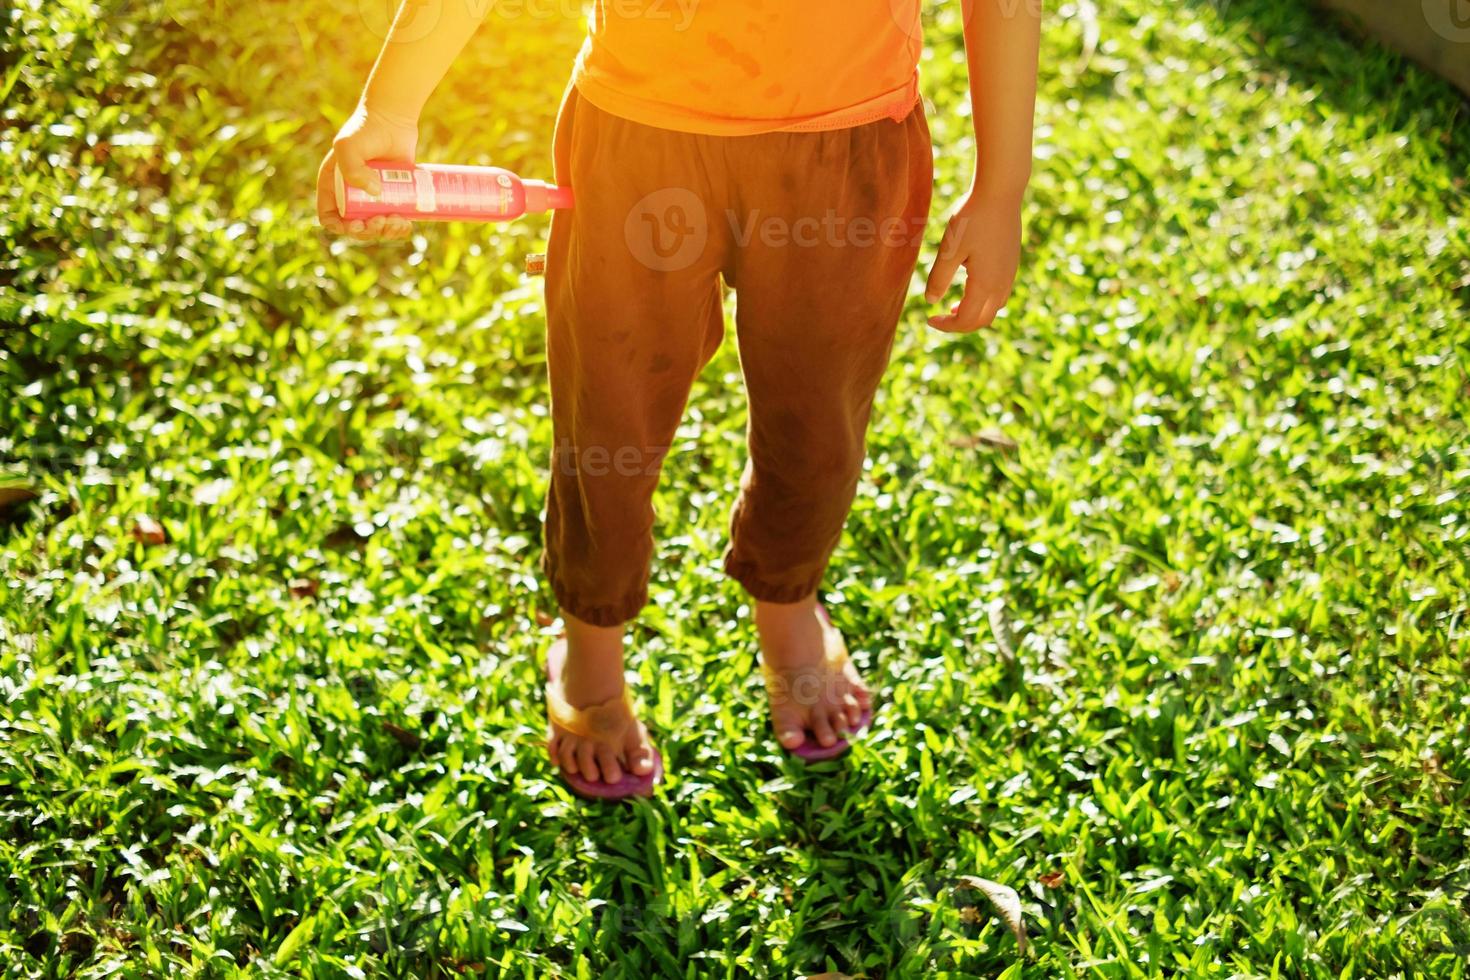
point(989, 438)
point(148, 531)
point(1000, 628)
point(996, 439)
point(402, 736)
point(15, 493)
point(1091, 32)
point(1007, 903)
point(305, 588)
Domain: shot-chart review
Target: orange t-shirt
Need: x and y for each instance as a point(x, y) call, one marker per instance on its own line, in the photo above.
point(736, 67)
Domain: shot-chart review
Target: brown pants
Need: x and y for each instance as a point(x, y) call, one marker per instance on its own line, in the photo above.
point(818, 233)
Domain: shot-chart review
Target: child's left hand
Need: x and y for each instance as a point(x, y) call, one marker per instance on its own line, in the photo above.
point(984, 236)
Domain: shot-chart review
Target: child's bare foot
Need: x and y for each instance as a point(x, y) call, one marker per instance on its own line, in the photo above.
point(592, 674)
point(807, 697)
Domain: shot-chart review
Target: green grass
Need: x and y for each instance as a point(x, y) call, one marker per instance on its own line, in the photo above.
point(1186, 667)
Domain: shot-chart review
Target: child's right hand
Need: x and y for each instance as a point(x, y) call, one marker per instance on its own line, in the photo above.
point(364, 136)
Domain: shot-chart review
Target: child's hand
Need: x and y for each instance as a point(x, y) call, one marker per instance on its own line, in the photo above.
point(365, 136)
point(984, 236)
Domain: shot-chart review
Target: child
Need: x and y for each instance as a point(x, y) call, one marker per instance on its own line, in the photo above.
point(781, 147)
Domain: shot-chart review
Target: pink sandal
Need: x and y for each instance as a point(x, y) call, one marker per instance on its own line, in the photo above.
point(836, 657)
point(603, 722)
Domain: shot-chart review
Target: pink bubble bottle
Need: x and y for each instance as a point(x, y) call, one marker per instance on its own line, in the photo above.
point(444, 192)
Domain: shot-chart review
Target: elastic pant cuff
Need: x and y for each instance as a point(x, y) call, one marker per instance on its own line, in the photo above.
point(765, 590)
point(595, 614)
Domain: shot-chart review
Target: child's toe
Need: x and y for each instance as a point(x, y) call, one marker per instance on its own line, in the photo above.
point(639, 753)
point(822, 729)
point(567, 754)
point(607, 763)
point(587, 760)
point(787, 723)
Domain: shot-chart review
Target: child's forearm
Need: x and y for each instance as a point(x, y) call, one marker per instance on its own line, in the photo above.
point(414, 61)
point(1002, 44)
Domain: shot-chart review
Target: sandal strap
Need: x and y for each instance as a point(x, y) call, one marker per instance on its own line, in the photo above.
point(599, 722)
point(834, 659)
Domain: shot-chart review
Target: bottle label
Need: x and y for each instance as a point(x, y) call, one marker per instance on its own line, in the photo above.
point(439, 193)
point(424, 196)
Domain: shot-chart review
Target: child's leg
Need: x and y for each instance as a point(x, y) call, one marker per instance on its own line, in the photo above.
point(835, 221)
point(625, 340)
